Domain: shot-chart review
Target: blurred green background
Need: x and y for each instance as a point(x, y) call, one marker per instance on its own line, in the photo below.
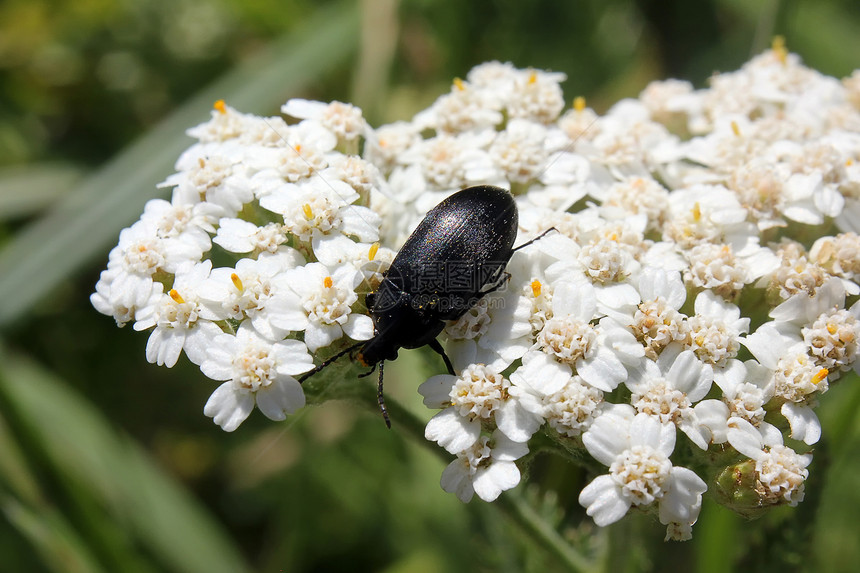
point(107, 462)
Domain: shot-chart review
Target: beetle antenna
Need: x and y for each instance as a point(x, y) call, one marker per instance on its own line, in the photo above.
point(329, 361)
point(381, 399)
point(539, 237)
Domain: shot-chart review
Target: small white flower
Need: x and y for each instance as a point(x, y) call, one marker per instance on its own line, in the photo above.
point(320, 207)
point(717, 267)
point(570, 337)
point(257, 372)
point(486, 468)
point(637, 449)
point(250, 290)
point(657, 322)
point(140, 255)
point(840, 255)
point(793, 376)
point(177, 319)
point(370, 260)
point(478, 394)
point(715, 329)
point(832, 339)
point(342, 119)
point(123, 309)
point(571, 410)
point(796, 273)
point(636, 196)
point(465, 108)
point(319, 302)
point(219, 180)
point(386, 143)
point(747, 387)
point(707, 214)
point(226, 123)
point(189, 223)
point(519, 152)
point(781, 472)
point(239, 236)
point(536, 95)
point(668, 388)
point(805, 307)
point(445, 160)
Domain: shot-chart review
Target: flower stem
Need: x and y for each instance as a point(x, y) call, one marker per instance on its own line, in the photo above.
point(517, 509)
point(513, 505)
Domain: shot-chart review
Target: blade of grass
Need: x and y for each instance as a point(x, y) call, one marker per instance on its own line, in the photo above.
point(115, 498)
point(87, 221)
point(60, 548)
point(25, 190)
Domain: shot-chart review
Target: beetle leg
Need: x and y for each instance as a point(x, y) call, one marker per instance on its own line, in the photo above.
point(541, 236)
point(381, 399)
point(503, 280)
point(434, 344)
point(368, 373)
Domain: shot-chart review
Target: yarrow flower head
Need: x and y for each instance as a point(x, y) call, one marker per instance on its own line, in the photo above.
point(700, 274)
point(637, 449)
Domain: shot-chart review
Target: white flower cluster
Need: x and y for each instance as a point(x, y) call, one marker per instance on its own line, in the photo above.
point(676, 294)
point(282, 205)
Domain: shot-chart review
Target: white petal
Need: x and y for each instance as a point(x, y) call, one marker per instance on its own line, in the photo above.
point(603, 501)
point(541, 373)
point(622, 342)
point(452, 431)
point(319, 335)
point(770, 434)
point(498, 477)
point(646, 430)
point(729, 377)
point(683, 499)
point(656, 282)
point(516, 422)
point(455, 480)
point(617, 297)
point(577, 299)
point(164, 346)
point(285, 312)
point(234, 235)
point(437, 390)
point(228, 407)
point(690, 376)
point(766, 343)
point(697, 433)
point(199, 339)
point(603, 370)
point(607, 438)
point(292, 357)
point(219, 361)
point(361, 222)
point(506, 449)
point(829, 201)
point(803, 421)
point(713, 415)
point(260, 322)
point(303, 108)
point(283, 396)
point(745, 438)
point(359, 327)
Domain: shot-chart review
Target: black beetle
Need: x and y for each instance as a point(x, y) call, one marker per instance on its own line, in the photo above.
point(455, 256)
